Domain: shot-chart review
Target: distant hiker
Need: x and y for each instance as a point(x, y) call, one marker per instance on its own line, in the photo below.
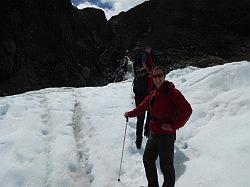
point(147, 58)
point(142, 85)
point(140, 89)
point(169, 111)
point(147, 61)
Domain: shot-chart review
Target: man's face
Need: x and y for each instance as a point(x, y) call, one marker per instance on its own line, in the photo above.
point(158, 77)
point(148, 49)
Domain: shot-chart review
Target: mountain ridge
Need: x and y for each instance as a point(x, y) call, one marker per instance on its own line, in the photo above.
point(47, 43)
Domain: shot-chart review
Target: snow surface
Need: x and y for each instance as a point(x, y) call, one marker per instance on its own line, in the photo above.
point(73, 137)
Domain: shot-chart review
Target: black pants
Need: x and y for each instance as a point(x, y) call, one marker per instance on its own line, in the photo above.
point(140, 122)
point(161, 145)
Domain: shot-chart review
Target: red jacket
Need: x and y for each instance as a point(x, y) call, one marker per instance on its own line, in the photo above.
point(167, 106)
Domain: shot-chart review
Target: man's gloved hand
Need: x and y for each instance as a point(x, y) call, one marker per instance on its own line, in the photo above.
point(126, 114)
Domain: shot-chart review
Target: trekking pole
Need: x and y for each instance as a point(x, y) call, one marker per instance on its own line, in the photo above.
point(123, 149)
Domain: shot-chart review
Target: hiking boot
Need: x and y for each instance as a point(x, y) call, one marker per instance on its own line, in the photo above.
point(138, 143)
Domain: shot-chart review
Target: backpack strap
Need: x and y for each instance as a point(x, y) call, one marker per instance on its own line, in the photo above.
point(169, 95)
point(176, 115)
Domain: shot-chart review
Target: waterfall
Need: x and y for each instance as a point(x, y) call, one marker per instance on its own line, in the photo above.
point(130, 69)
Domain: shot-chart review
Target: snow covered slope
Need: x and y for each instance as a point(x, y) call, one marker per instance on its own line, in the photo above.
point(73, 137)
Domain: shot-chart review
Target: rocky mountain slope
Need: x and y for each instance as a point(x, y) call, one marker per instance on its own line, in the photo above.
point(187, 32)
point(50, 43)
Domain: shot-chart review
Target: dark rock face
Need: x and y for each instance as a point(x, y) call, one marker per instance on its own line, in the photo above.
point(49, 43)
point(186, 32)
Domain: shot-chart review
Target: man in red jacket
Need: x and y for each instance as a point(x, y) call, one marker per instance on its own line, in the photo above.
point(169, 111)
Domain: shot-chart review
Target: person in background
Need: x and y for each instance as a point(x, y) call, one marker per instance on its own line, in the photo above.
point(142, 85)
point(147, 58)
point(169, 111)
point(140, 89)
point(147, 61)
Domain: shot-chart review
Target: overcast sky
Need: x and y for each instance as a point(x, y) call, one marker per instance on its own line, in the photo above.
point(110, 7)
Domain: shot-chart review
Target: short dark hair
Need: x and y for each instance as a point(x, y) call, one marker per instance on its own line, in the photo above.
point(157, 67)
